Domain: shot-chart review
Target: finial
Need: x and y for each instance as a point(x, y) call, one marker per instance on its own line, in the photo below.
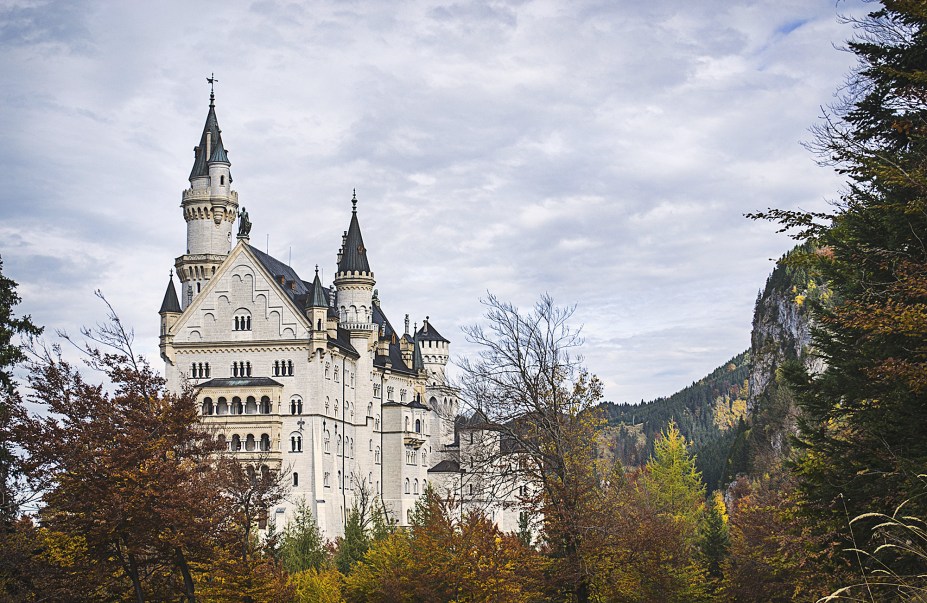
point(171, 275)
point(354, 202)
point(317, 270)
point(211, 80)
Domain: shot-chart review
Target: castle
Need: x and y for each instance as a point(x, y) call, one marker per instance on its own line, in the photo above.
point(296, 376)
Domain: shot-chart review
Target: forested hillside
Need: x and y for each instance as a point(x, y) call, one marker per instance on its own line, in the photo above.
point(707, 413)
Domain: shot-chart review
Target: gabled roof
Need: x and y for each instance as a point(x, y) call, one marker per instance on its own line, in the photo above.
point(218, 153)
point(170, 303)
point(446, 466)
point(429, 333)
point(387, 333)
point(277, 268)
point(354, 254)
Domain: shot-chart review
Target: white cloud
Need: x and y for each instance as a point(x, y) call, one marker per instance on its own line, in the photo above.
point(602, 152)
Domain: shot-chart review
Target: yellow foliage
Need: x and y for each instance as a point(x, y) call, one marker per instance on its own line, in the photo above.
point(317, 586)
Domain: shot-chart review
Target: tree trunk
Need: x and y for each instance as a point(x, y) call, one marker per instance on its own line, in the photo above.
point(133, 575)
point(188, 586)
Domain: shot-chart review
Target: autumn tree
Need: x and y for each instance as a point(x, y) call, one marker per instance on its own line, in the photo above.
point(125, 466)
point(302, 546)
point(531, 397)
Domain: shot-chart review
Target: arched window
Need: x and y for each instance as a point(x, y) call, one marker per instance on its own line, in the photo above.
point(242, 321)
point(249, 442)
point(295, 479)
point(370, 448)
point(296, 442)
point(407, 423)
point(276, 368)
point(296, 406)
point(248, 369)
point(289, 367)
point(326, 404)
point(407, 486)
point(415, 487)
point(222, 407)
point(326, 446)
point(418, 426)
point(237, 408)
point(339, 444)
point(220, 440)
point(207, 406)
point(376, 455)
point(326, 480)
point(340, 482)
point(236, 443)
point(337, 380)
point(376, 423)
point(251, 406)
point(370, 409)
point(265, 405)
point(424, 458)
point(265, 442)
point(207, 370)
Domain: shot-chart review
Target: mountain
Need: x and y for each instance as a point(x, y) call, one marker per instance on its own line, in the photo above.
point(738, 418)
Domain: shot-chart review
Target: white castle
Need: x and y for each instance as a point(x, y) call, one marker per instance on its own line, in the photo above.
point(296, 376)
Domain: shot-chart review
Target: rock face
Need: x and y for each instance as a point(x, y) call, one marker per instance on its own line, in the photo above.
point(781, 334)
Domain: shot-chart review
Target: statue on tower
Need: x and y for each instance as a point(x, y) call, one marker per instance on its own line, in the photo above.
point(244, 224)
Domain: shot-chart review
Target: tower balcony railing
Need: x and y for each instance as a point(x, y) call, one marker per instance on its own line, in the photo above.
point(204, 194)
point(358, 326)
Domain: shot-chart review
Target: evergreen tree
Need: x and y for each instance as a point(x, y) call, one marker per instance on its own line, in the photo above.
point(861, 443)
point(715, 538)
point(354, 544)
point(302, 546)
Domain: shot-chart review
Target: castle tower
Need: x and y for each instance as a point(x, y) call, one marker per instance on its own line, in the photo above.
point(210, 208)
point(354, 280)
point(317, 313)
point(434, 349)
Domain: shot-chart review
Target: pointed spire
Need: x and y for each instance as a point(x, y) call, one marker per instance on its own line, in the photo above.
point(318, 293)
point(353, 254)
point(170, 303)
point(210, 148)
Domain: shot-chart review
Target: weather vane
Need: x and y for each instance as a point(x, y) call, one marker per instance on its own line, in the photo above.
point(211, 80)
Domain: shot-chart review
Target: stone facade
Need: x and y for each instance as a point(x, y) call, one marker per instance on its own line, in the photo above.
point(304, 378)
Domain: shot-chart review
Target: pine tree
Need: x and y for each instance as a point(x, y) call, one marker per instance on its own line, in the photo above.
point(301, 545)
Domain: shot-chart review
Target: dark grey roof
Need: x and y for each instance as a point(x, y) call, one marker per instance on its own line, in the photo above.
point(219, 154)
point(354, 254)
point(417, 404)
point(446, 466)
point(277, 269)
point(241, 382)
point(418, 363)
point(318, 298)
point(343, 341)
point(170, 303)
point(429, 333)
point(201, 161)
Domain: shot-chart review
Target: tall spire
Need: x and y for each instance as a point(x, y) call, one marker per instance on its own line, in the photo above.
point(210, 149)
point(354, 254)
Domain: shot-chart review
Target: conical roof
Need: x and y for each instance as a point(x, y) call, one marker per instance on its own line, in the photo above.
point(217, 152)
point(170, 303)
point(318, 293)
point(354, 254)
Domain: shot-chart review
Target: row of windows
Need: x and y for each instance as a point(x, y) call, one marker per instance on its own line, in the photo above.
point(249, 444)
point(241, 369)
point(283, 368)
point(250, 406)
point(199, 370)
point(243, 323)
point(411, 457)
point(414, 485)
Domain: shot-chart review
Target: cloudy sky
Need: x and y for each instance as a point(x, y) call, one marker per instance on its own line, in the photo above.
point(600, 151)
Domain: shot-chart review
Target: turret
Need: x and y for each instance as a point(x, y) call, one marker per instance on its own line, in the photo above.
point(317, 313)
point(170, 311)
point(210, 208)
point(354, 280)
point(434, 349)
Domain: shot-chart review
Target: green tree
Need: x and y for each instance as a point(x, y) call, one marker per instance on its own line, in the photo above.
point(354, 544)
point(715, 537)
point(302, 546)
